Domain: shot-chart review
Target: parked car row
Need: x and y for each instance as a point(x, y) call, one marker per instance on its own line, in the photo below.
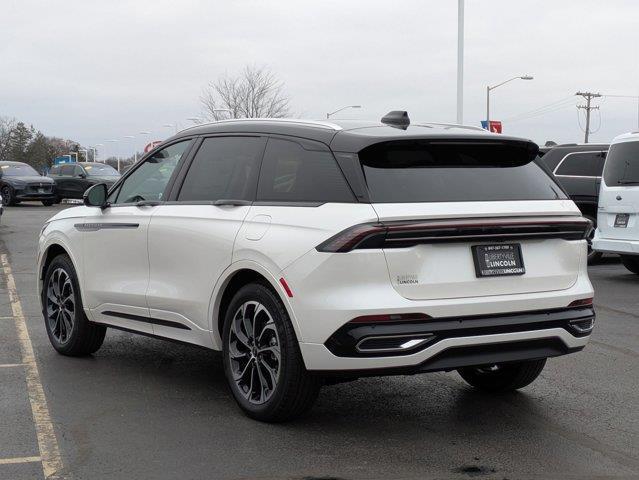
point(603, 181)
point(21, 182)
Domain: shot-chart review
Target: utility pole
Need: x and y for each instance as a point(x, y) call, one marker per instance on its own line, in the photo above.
point(588, 96)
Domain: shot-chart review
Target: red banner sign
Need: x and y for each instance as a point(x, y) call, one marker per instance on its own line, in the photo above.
point(152, 145)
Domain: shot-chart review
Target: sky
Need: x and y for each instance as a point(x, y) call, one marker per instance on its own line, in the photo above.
point(95, 71)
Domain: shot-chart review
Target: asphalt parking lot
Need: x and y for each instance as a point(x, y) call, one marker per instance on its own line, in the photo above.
point(146, 409)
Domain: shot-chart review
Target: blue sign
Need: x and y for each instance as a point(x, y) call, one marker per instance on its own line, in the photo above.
point(63, 159)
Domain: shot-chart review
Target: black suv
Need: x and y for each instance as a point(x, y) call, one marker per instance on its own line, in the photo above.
point(20, 181)
point(578, 167)
point(73, 179)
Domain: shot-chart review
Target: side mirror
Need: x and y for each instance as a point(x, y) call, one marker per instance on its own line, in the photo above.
point(96, 196)
point(83, 175)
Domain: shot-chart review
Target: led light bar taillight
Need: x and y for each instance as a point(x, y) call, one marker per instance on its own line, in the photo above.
point(404, 234)
point(353, 237)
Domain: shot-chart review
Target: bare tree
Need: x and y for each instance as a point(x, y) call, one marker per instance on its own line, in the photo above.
point(6, 128)
point(254, 93)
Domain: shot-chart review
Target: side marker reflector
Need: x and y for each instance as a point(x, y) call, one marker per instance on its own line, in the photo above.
point(289, 293)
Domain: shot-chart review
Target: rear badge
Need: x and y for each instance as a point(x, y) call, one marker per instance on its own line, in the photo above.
point(407, 280)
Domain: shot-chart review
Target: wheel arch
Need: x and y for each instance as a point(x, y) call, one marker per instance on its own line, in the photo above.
point(52, 250)
point(235, 277)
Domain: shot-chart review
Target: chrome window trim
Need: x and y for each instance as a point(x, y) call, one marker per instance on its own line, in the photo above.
point(554, 172)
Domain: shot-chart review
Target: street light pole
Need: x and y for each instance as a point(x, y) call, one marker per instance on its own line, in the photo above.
point(135, 150)
point(144, 132)
point(328, 115)
point(489, 88)
point(95, 151)
point(117, 156)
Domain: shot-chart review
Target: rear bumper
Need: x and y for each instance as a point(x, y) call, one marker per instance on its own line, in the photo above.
point(454, 342)
point(625, 247)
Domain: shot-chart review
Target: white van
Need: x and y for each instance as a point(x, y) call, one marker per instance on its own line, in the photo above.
point(617, 218)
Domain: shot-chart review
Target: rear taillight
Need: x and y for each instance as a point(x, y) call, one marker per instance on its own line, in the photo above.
point(354, 237)
point(409, 233)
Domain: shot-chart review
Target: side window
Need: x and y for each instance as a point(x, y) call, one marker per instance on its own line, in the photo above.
point(223, 168)
point(67, 170)
point(292, 174)
point(55, 170)
point(149, 180)
point(586, 164)
point(78, 171)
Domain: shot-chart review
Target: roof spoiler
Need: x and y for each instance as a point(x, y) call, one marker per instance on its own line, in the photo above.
point(397, 118)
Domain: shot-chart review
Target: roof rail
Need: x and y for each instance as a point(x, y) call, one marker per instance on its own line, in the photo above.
point(314, 123)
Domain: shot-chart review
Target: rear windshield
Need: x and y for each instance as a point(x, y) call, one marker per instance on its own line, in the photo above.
point(622, 164)
point(100, 170)
point(419, 171)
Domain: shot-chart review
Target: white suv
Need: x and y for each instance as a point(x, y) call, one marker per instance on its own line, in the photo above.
point(617, 222)
point(312, 252)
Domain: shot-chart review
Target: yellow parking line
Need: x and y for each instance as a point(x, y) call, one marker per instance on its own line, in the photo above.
point(9, 461)
point(11, 365)
point(47, 441)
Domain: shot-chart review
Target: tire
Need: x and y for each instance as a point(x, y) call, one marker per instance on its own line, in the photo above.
point(593, 257)
point(7, 196)
point(504, 377)
point(289, 391)
point(82, 337)
point(48, 203)
point(631, 262)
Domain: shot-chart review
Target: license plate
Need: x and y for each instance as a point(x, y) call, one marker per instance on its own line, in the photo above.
point(498, 260)
point(621, 220)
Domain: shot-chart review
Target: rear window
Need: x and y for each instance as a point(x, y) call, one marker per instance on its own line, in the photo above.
point(420, 171)
point(586, 164)
point(100, 170)
point(622, 165)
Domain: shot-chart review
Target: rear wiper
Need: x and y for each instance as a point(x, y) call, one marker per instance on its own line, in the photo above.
point(628, 182)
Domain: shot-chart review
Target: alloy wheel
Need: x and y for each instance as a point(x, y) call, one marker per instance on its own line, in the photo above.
point(6, 195)
point(254, 352)
point(60, 305)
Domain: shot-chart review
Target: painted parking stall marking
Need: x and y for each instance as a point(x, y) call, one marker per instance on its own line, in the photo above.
point(52, 465)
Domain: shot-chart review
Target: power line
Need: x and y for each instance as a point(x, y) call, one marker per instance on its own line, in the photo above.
point(588, 96)
point(540, 110)
point(540, 113)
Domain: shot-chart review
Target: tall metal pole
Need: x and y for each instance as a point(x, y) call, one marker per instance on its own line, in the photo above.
point(460, 61)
